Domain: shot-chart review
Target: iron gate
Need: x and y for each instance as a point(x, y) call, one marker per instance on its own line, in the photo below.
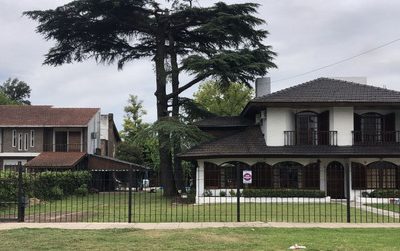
point(12, 199)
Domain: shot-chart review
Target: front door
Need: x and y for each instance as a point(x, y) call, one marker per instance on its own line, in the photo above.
point(61, 141)
point(335, 180)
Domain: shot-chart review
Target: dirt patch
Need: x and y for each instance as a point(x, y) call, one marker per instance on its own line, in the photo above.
point(60, 217)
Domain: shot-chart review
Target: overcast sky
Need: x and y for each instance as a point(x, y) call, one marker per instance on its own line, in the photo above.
point(305, 34)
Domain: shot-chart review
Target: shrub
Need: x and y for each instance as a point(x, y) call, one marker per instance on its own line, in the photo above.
point(69, 182)
point(385, 193)
point(222, 193)
point(82, 190)
point(207, 193)
point(303, 193)
point(232, 193)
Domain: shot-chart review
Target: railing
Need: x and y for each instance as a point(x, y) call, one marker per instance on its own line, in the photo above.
point(63, 148)
point(376, 137)
point(327, 138)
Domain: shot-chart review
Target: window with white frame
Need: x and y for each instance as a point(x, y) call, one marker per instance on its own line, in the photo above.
point(20, 142)
point(14, 138)
point(26, 141)
point(32, 142)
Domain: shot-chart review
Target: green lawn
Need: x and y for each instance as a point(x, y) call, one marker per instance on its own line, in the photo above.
point(201, 239)
point(153, 207)
point(389, 207)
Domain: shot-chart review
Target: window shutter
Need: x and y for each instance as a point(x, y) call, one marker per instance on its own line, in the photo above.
point(357, 128)
point(389, 124)
point(323, 128)
point(358, 176)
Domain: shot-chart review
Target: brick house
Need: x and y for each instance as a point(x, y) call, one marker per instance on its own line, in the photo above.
point(63, 138)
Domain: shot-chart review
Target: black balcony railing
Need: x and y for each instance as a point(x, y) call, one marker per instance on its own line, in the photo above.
point(63, 148)
point(376, 137)
point(327, 138)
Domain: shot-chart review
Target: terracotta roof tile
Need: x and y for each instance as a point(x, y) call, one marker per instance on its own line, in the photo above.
point(13, 115)
point(56, 159)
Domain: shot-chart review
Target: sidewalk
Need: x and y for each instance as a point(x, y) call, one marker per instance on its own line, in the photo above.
point(194, 225)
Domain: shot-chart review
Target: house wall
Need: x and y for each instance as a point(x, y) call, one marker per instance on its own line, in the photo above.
point(93, 127)
point(7, 140)
point(341, 119)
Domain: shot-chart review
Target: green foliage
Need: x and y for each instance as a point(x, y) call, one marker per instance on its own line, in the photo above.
point(18, 92)
point(45, 185)
point(302, 193)
point(207, 193)
point(385, 193)
point(129, 152)
point(82, 190)
point(232, 193)
point(5, 100)
point(223, 101)
point(222, 193)
point(133, 122)
point(188, 135)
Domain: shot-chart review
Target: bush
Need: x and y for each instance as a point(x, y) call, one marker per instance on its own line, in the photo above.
point(82, 190)
point(222, 193)
point(303, 193)
point(70, 183)
point(385, 193)
point(232, 193)
point(207, 193)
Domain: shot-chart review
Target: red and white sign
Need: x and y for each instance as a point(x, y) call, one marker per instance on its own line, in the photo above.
point(247, 177)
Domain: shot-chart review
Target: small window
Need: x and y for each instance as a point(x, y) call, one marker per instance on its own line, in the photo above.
point(32, 138)
point(26, 141)
point(14, 138)
point(20, 142)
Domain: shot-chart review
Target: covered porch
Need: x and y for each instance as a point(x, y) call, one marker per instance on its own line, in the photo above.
point(298, 179)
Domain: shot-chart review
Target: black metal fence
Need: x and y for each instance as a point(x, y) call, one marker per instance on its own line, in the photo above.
point(217, 195)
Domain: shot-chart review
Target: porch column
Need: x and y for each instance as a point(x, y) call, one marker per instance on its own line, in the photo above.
point(199, 181)
point(322, 177)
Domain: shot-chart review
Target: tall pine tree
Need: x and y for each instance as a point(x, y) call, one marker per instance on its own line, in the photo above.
point(221, 41)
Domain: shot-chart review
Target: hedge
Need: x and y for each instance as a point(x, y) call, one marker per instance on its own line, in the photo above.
point(283, 193)
point(45, 185)
point(385, 193)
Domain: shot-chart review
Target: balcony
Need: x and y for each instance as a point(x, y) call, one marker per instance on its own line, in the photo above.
point(376, 138)
point(326, 138)
point(63, 148)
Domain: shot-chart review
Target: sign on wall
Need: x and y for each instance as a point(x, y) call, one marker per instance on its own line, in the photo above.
point(247, 177)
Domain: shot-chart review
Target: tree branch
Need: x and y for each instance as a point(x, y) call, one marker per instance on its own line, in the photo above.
point(188, 85)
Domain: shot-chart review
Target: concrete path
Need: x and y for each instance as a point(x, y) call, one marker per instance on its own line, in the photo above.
point(195, 225)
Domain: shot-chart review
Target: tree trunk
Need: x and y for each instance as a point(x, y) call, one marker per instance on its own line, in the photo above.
point(178, 171)
point(166, 174)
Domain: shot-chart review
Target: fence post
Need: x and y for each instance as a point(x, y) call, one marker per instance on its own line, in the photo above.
point(130, 195)
point(238, 182)
point(347, 175)
point(21, 196)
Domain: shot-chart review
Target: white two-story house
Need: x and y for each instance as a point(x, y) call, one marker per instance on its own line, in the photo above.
point(331, 135)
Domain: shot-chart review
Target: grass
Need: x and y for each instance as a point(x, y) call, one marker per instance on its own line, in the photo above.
point(390, 207)
point(201, 239)
point(153, 207)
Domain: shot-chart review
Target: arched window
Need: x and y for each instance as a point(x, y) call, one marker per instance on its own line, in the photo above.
point(382, 175)
point(222, 176)
point(262, 175)
point(289, 174)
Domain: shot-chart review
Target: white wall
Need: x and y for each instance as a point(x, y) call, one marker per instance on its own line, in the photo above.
point(93, 126)
point(278, 121)
point(342, 120)
point(104, 127)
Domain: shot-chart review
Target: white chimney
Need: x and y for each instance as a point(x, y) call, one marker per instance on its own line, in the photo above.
point(263, 86)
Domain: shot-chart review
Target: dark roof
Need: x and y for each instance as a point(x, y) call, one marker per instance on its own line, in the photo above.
point(332, 90)
point(251, 143)
point(98, 162)
point(56, 159)
point(224, 121)
point(42, 116)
